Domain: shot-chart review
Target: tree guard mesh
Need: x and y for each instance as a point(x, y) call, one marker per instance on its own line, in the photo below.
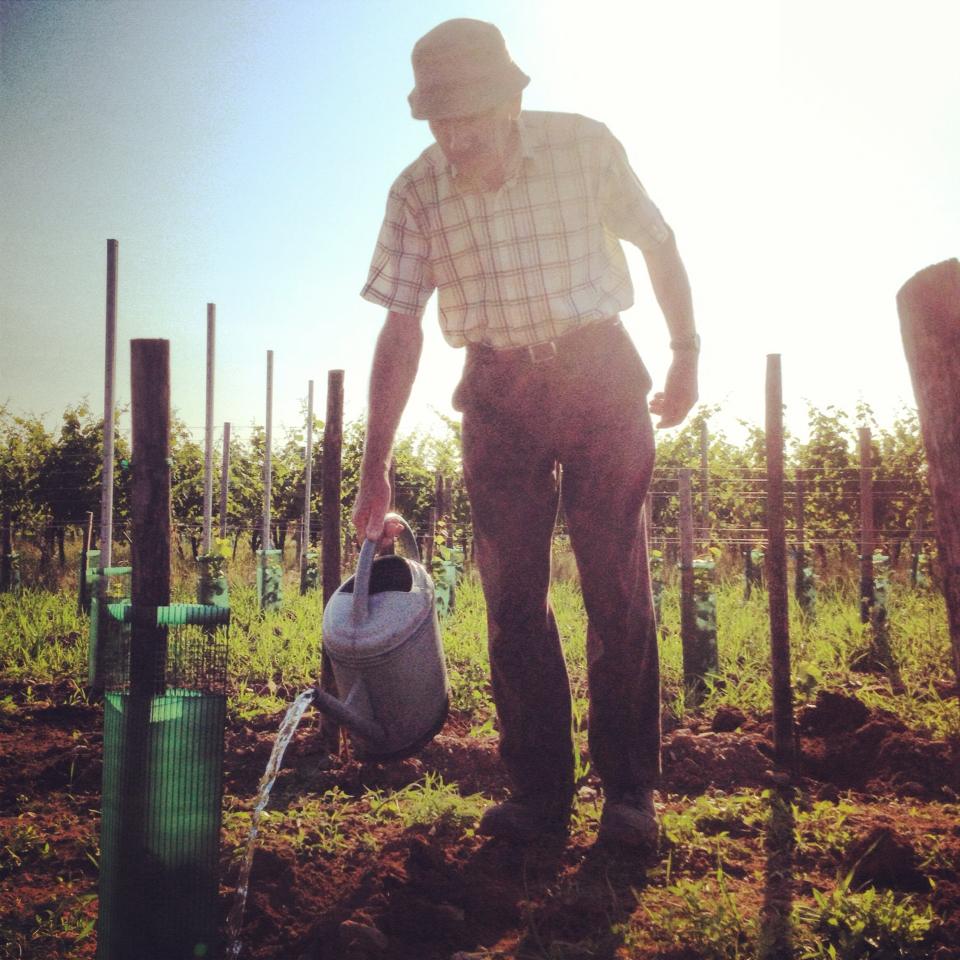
point(162, 778)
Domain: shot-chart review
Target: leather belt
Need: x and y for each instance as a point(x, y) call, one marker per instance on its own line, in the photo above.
point(547, 350)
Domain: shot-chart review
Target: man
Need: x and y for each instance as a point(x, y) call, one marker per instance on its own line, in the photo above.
point(515, 218)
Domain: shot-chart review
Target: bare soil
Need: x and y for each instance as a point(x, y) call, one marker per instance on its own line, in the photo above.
point(436, 891)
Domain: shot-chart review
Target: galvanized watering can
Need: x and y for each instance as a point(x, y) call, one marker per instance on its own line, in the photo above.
point(381, 632)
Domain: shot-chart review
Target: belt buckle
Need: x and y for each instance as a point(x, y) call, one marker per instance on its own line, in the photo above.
point(542, 352)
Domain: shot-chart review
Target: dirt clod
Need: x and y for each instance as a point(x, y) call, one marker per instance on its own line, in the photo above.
point(727, 719)
point(362, 937)
point(883, 858)
point(833, 711)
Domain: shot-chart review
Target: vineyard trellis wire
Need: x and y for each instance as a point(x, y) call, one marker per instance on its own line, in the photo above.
point(45, 495)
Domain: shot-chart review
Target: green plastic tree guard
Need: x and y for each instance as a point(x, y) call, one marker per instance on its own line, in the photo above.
point(656, 582)
point(704, 659)
point(12, 582)
point(269, 579)
point(162, 786)
point(807, 590)
point(311, 572)
point(159, 844)
point(879, 622)
point(212, 586)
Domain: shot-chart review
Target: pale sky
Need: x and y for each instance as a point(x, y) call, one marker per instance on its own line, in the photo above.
point(806, 154)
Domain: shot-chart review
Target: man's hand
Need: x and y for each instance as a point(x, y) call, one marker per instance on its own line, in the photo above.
point(370, 510)
point(680, 393)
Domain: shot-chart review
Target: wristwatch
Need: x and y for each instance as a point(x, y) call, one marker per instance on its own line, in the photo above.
point(686, 344)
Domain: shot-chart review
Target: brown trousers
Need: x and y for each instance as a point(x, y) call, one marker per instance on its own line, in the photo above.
point(585, 410)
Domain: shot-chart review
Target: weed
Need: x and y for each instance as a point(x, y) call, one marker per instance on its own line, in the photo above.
point(469, 689)
point(824, 828)
point(325, 824)
point(21, 842)
point(711, 821)
point(705, 916)
point(73, 918)
point(935, 856)
point(246, 704)
point(866, 925)
point(485, 729)
point(429, 801)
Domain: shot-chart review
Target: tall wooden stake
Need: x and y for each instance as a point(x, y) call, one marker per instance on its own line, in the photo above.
point(110, 355)
point(150, 510)
point(929, 308)
point(150, 588)
point(332, 452)
point(867, 522)
point(783, 735)
point(208, 436)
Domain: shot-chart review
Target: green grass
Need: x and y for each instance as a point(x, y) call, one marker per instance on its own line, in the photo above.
point(42, 636)
point(428, 802)
point(271, 656)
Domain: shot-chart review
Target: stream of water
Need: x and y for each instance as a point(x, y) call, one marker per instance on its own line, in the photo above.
point(287, 729)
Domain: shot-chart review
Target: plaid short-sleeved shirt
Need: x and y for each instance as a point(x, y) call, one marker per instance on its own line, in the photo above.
point(528, 262)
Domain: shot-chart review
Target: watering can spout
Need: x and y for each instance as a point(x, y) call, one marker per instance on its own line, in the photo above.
point(348, 715)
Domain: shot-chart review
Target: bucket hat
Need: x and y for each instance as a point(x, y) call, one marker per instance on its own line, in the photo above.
point(461, 68)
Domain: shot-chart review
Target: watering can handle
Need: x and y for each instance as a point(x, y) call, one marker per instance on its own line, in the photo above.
point(361, 580)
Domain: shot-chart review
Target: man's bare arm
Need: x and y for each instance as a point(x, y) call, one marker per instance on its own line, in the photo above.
point(668, 276)
point(395, 363)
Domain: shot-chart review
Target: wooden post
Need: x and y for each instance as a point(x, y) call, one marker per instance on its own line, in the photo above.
point(150, 510)
point(704, 481)
point(150, 588)
point(783, 735)
point(332, 453)
point(106, 484)
point(687, 610)
point(208, 434)
point(867, 523)
point(929, 308)
point(393, 483)
point(224, 479)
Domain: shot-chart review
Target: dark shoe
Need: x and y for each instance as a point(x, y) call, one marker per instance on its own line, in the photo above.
point(526, 818)
point(630, 820)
